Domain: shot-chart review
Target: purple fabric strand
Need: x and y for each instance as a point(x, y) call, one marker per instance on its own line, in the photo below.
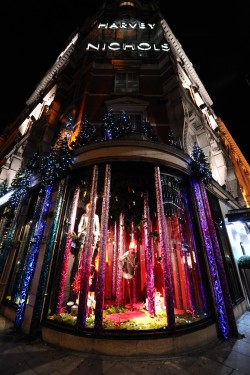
point(168, 287)
point(67, 252)
point(100, 282)
point(220, 266)
point(148, 256)
point(219, 300)
point(85, 262)
point(120, 252)
point(115, 262)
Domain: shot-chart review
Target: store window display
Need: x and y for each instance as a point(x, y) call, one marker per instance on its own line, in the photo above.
point(128, 263)
point(82, 230)
point(128, 266)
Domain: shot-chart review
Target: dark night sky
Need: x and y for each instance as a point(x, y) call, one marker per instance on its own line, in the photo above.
point(217, 42)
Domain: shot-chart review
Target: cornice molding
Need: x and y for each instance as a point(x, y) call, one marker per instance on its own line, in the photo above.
point(60, 64)
point(178, 50)
point(234, 149)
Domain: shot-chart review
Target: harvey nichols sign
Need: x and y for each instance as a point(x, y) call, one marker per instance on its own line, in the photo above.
point(118, 46)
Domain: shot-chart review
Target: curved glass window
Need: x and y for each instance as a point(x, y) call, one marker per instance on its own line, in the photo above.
point(22, 249)
point(127, 256)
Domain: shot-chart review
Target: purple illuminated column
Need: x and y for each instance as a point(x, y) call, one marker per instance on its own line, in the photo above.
point(85, 263)
point(67, 251)
point(148, 256)
point(100, 282)
point(120, 252)
point(164, 241)
point(208, 242)
point(220, 266)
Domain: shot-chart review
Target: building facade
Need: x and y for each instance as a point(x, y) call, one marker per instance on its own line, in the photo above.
point(115, 190)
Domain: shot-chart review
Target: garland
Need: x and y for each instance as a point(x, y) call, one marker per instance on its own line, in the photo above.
point(199, 165)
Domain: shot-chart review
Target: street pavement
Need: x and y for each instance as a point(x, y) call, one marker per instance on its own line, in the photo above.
point(25, 356)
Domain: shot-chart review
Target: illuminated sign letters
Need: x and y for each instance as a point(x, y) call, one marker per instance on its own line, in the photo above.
point(124, 25)
point(115, 46)
point(119, 46)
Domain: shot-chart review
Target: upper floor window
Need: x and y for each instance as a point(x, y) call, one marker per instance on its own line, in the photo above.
point(127, 3)
point(126, 82)
point(134, 118)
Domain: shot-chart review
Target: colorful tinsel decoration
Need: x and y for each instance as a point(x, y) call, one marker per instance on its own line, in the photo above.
point(164, 241)
point(100, 283)
point(210, 251)
point(171, 140)
point(117, 126)
point(85, 261)
point(149, 258)
point(20, 184)
point(200, 166)
point(69, 123)
point(31, 264)
point(3, 188)
point(41, 291)
point(87, 134)
point(109, 126)
point(34, 163)
point(125, 126)
point(56, 163)
point(66, 256)
point(145, 128)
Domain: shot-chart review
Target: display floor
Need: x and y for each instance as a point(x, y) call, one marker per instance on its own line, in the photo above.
point(129, 317)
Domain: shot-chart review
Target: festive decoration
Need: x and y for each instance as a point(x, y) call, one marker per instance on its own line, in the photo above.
point(145, 128)
point(76, 285)
point(87, 134)
point(199, 165)
point(56, 163)
point(148, 257)
point(164, 240)
point(218, 294)
point(3, 233)
point(65, 158)
point(220, 266)
point(47, 259)
point(100, 282)
point(85, 261)
point(3, 188)
point(67, 251)
point(33, 164)
point(20, 184)
point(110, 127)
point(32, 260)
point(19, 187)
point(127, 195)
point(116, 127)
point(202, 300)
point(8, 236)
point(120, 318)
point(120, 252)
point(69, 123)
point(179, 261)
point(125, 126)
point(171, 140)
point(20, 275)
point(115, 261)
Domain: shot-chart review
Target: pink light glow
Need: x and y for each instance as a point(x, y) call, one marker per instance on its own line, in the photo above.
point(67, 251)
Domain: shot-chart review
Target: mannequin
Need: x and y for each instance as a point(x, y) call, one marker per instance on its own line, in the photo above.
point(82, 229)
point(128, 264)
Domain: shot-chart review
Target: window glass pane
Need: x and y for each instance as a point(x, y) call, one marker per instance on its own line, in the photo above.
point(135, 254)
point(126, 82)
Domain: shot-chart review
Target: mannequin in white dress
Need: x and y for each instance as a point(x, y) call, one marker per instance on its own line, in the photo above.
point(82, 230)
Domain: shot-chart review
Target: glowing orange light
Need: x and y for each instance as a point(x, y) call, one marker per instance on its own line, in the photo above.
point(132, 245)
